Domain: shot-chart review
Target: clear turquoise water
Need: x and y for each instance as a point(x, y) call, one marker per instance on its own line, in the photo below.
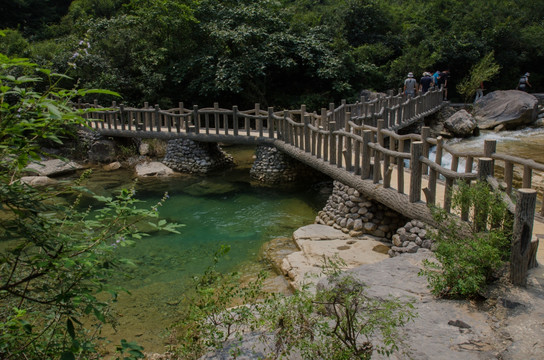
point(216, 210)
point(225, 208)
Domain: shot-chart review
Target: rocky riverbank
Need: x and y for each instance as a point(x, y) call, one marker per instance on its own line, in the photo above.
point(507, 323)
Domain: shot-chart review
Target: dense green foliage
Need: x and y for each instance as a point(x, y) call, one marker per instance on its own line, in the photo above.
point(339, 321)
point(277, 52)
point(54, 257)
point(468, 261)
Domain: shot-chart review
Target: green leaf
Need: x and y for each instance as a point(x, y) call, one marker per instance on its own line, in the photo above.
point(70, 328)
point(99, 315)
point(98, 91)
point(53, 110)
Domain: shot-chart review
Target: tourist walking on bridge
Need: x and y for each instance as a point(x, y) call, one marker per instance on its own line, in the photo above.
point(425, 83)
point(410, 85)
point(443, 82)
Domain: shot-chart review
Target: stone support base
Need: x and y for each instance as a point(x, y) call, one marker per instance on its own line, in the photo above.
point(351, 212)
point(272, 166)
point(189, 156)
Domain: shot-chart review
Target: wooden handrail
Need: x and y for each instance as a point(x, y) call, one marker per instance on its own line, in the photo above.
point(352, 137)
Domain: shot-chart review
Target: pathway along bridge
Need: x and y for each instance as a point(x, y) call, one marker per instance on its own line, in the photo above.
point(355, 144)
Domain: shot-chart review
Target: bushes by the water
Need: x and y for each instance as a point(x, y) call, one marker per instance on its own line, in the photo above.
point(469, 258)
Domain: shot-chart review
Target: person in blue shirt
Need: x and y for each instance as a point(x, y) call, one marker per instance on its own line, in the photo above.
point(436, 75)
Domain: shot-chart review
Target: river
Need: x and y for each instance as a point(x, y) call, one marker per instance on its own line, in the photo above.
point(224, 208)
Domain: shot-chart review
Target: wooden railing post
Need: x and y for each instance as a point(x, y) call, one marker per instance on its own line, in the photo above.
point(416, 152)
point(340, 150)
point(527, 175)
point(306, 130)
point(258, 120)
point(425, 133)
point(216, 117)
point(367, 138)
point(332, 141)
point(490, 146)
point(323, 123)
point(286, 129)
point(508, 176)
point(235, 120)
point(157, 118)
point(122, 117)
point(196, 120)
point(342, 115)
point(522, 236)
point(485, 168)
point(433, 174)
point(348, 150)
point(480, 214)
point(270, 123)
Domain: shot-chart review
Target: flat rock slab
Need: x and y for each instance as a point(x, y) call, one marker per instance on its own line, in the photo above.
point(54, 167)
point(317, 242)
point(319, 232)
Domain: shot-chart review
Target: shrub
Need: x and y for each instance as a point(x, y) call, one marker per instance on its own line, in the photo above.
point(336, 322)
point(468, 260)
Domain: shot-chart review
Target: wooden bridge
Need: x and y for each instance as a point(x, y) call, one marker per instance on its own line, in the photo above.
point(356, 144)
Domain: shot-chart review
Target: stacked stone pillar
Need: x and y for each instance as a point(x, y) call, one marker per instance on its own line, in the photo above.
point(353, 213)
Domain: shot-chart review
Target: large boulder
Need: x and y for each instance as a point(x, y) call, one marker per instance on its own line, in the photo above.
point(461, 124)
point(505, 109)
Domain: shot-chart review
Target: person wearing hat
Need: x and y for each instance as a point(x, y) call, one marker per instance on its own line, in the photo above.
point(410, 85)
point(524, 82)
point(425, 83)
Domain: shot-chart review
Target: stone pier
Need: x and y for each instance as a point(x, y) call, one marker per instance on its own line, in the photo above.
point(195, 157)
point(272, 166)
point(354, 214)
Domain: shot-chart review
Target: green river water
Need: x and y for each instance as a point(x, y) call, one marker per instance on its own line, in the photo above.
point(225, 208)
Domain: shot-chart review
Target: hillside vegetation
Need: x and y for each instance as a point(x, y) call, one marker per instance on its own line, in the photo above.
point(276, 52)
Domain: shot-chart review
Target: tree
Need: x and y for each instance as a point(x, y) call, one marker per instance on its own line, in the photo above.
point(484, 70)
point(57, 257)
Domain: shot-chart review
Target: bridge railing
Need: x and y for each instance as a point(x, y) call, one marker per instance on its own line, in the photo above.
point(359, 137)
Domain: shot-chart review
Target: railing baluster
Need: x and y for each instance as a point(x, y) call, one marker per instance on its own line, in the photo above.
point(508, 176)
point(367, 138)
point(527, 174)
point(415, 166)
point(122, 117)
point(332, 139)
point(157, 118)
point(348, 150)
point(216, 117)
point(196, 119)
point(235, 120)
point(270, 123)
